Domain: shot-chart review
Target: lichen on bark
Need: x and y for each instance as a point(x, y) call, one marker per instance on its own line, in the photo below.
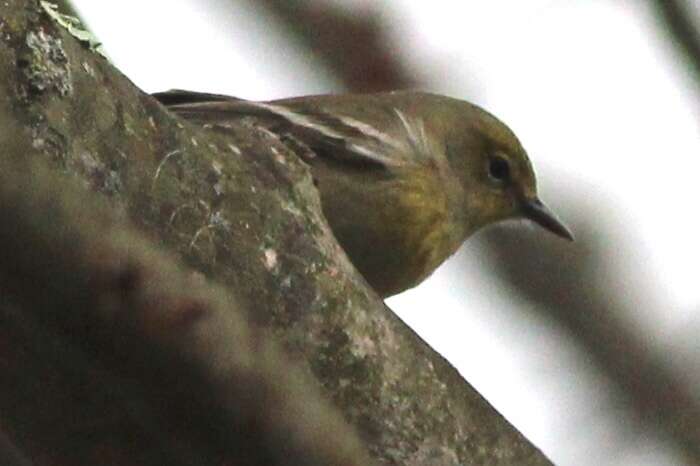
point(240, 208)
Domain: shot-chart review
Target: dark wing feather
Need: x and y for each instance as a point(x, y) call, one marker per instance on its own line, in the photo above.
point(327, 135)
point(180, 96)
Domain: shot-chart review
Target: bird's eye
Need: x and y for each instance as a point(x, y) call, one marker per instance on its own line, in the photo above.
point(499, 168)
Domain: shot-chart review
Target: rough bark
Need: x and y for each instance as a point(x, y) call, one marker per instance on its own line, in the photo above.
point(241, 209)
point(140, 363)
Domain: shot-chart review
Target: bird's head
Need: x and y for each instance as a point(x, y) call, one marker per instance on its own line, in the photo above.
point(494, 169)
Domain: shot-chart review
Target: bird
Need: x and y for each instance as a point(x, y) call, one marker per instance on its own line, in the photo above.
point(404, 177)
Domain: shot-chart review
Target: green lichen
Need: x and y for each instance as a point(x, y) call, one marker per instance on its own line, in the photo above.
point(45, 64)
point(51, 142)
point(74, 27)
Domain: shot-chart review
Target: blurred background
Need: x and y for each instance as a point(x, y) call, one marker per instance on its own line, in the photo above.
point(591, 349)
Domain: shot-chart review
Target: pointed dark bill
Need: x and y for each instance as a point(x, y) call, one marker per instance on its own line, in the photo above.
point(535, 210)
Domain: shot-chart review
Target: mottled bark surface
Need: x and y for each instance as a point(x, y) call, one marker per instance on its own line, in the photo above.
point(121, 357)
point(239, 208)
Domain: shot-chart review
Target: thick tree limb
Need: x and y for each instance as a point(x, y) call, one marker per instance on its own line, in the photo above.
point(237, 206)
point(176, 374)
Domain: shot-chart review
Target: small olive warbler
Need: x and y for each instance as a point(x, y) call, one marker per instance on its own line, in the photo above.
point(404, 177)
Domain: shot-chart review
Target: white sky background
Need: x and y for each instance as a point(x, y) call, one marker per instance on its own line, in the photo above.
point(597, 97)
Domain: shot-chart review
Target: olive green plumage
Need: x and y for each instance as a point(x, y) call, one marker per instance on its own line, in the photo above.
point(404, 177)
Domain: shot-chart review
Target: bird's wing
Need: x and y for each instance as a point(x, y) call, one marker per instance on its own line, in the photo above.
point(179, 96)
point(327, 134)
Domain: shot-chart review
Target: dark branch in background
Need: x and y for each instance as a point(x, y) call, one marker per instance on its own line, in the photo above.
point(354, 46)
point(570, 285)
point(677, 16)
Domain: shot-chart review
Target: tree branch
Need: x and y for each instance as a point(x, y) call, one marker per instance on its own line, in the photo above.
point(240, 208)
point(354, 46)
point(173, 367)
point(684, 33)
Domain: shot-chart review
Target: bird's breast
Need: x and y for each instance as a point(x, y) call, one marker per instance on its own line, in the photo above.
point(396, 230)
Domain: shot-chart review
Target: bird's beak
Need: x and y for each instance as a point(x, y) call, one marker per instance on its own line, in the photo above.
point(535, 210)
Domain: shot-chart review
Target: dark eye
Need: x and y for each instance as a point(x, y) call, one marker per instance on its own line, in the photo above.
point(499, 168)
